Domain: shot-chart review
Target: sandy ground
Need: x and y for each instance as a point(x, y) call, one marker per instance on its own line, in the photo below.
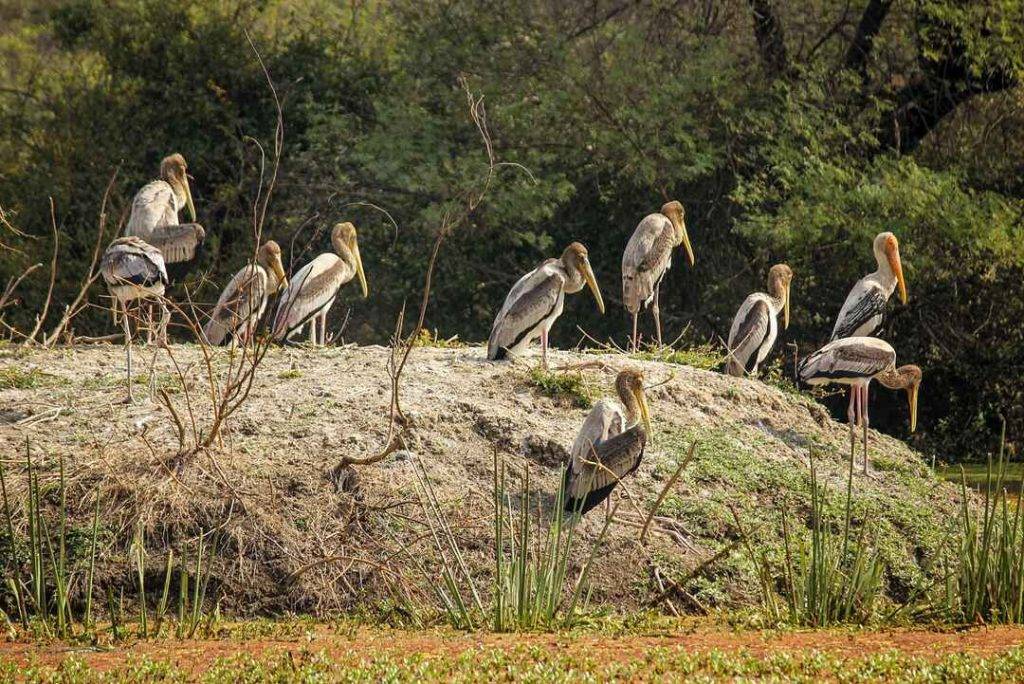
point(268, 493)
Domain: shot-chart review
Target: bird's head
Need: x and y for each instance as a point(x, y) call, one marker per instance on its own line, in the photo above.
point(910, 377)
point(269, 257)
point(780, 277)
point(630, 387)
point(576, 259)
point(677, 215)
point(887, 251)
point(344, 239)
point(174, 170)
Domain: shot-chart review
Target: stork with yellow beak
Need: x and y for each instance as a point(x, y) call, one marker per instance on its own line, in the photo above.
point(862, 311)
point(155, 209)
point(648, 257)
point(536, 301)
point(754, 328)
point(313, 289)
point(856, 361)
point(610, 444)
point(243, 301)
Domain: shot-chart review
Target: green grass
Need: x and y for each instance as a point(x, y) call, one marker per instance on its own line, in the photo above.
point(289, 374)
point(534, 664)
point(702, 356)
point(568, 388)
point(12, 378)
point(434, 339)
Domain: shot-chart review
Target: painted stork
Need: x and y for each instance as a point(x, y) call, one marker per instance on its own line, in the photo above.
point(855, 361)
point(536, 301)
point(647, 258)
point(313, 289)
point(244, 300)
point(754, 328)
point(134, 270)
point(155, 208)
point(862, 311)
point(609, 446)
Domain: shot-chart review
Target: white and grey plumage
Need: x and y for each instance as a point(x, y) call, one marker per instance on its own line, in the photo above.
point(536, 301)
point(155, 209)
point(648, 257)
point(609, 446)
point(754, 327)
point(862, 311)
point(134, 270)
point(856, 361)
point(313, 289)
point(243, 301)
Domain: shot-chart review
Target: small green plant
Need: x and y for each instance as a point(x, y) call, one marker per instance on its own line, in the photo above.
point(12, 378)
point(832, 578)
point(531, 562)
point(289, 374)
point(426, 338)
point(701, 356)
point(984, 571)
point(570, 389)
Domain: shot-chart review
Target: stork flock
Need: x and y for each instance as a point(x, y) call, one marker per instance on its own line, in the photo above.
point(140, 266)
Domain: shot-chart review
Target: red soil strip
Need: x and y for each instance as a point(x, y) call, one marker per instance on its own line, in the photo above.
point(197, 655)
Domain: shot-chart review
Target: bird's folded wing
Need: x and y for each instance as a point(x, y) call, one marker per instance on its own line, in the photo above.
point(177, 243)
point(608, 462)
point(535, 301)
point(152, 206)
point(605, 420)
point(864, 302)
point(749, 329)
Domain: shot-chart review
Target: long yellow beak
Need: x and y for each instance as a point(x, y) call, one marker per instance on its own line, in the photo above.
point(588, 275)
point(897, 268)
point(912, 400)
point(645, 412)
point(785, 309)
point(282, 279)
point(687, 246)
point(359, 269)
point(188, 198)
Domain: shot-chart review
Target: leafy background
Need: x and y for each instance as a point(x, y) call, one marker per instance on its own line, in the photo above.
point(790, 131)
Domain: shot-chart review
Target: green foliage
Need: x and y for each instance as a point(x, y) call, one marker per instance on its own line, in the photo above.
point(984, 573)
point(595, 122)
point(13, 377)
point(567, 387)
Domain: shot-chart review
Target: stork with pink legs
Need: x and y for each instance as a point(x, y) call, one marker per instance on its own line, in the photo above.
point(856, 361)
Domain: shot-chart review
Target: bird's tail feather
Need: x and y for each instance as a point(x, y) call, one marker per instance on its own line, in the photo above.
point(635, 291)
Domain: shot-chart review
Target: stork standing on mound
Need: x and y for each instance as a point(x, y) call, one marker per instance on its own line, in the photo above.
point(135, 270)
point(609, 445)
point(313, 289)
point(754, 328)
point(862, 311)
point(536, 301)
point(154, 218)
point(647, 258)
point(244, 300)
point(855, 361)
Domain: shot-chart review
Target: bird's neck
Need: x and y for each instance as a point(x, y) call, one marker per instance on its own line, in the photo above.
point(573, 278)
point(893, 379)
point(777, 296)
point(883, 274)
point(179, 192)
point(631, 405)
point(677, 230)
point(343, 251)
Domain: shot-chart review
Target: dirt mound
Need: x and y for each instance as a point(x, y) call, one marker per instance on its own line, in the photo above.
point(288, 539)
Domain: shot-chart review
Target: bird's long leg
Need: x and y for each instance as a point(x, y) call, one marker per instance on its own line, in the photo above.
point(323, 328)
point(149, 321)
point(165, 319)
point(864, 416)
point(656, 310)
point(128, 350)
point(851, 417)
point(544, 348)
point(634, 340)
point(312, 331)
